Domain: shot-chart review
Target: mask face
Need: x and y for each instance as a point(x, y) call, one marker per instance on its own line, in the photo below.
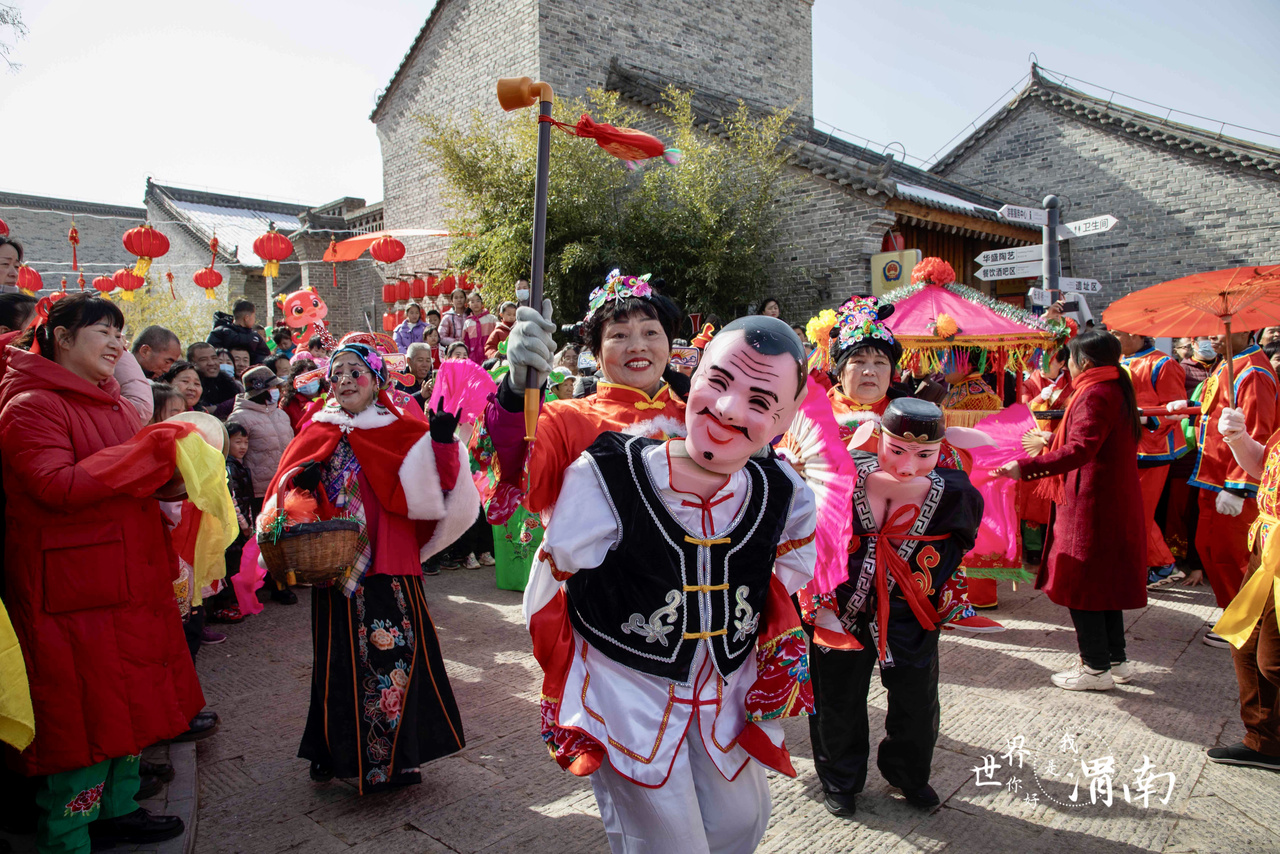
point(738, 401)
point(309, 388)
point(229, 370)
point(904, 460)
point(274, 395)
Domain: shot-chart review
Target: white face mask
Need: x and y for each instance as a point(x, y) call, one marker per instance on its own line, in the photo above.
point(274, 395)
point(1205, 349)
point(309, 388)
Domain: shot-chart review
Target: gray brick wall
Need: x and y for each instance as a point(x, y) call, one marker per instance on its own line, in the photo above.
point(1178, 214)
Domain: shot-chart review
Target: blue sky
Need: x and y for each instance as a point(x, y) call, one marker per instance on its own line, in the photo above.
point(256, 97)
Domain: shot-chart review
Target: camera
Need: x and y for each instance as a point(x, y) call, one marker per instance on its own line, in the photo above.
point(574, 331)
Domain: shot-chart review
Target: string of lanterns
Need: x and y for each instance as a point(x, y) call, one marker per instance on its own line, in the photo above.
point(399, 294)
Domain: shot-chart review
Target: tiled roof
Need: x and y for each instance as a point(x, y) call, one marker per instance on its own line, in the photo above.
point(1181, 139)
point(49, 203)
point(404, 63)
point(823, 154)
point(236, 220)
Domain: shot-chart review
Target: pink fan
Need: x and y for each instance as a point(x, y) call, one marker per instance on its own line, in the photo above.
point(998, 536)
point(462, 384)
point(813, 441)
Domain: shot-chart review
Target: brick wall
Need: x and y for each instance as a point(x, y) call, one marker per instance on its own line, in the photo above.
point(44, 235)
point(1178, 214)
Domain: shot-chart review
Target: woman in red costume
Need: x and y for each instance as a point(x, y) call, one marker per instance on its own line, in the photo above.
point(380, 700)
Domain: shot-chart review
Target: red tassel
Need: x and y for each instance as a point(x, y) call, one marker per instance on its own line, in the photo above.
point(333, 247)
point(169, 275)
point(80, 281)
point(73, 236)
point(64, 284)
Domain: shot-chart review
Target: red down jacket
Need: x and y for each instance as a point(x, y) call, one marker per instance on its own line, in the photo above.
point(89, 577)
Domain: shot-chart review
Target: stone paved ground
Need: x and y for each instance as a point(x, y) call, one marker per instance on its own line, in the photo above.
point(503, 794)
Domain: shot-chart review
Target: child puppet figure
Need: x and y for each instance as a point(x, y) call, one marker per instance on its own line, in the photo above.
point(659, 607)
point(912, 525)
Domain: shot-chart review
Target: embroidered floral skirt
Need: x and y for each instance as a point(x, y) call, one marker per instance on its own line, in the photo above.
point(381, 704)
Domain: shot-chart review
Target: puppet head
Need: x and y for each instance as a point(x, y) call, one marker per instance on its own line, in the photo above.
point(911, 433)
point(748, 385)
point(302, 307)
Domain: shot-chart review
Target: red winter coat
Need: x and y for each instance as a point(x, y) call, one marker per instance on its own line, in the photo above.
point(89, 577)
point(1095, 556)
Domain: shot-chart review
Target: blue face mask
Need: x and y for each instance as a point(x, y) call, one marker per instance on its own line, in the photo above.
point(229, 370)
point(274, 395)
point(1205, 350)
point(309, 388)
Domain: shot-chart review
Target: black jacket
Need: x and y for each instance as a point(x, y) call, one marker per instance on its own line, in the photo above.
point(227, 335)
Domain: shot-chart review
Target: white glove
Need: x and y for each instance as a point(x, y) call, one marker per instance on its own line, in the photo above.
point(1047, 392)
point(1228, 504)
point(1231, 424)
point(530, 345)
point(1176, 406)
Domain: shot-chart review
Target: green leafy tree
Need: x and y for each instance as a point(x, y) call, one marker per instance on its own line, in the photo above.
point(707, 226)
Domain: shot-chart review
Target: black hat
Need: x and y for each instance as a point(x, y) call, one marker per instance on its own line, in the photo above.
point(260, 378)
point(913, 420)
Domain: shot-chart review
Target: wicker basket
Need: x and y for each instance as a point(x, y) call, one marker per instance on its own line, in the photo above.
point(312, 551)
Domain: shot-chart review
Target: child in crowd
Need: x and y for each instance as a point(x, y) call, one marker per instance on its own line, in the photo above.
point(222, 608)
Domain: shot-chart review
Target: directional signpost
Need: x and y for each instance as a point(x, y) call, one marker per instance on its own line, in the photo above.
point(1009, 271)
point(1030, 216)
point(1014, 255)
point(1085, 227)
point(1079, 286)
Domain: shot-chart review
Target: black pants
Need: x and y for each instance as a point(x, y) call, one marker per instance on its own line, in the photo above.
point(841, 734)
point(477, 540)
point(193, 628)
point(1100, 635)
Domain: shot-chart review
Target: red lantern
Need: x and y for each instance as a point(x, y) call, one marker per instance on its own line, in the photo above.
point(4, 228)
point(389, 292)
point(147, 243)
point(387, 250)
point(433, 285)
point(104, 284)
point(388, 322)
point(127, 281)
point(418, 289)
point(447, 285)
point(29, 280)
point(466, 283)
point(207, 278)
point(399, 316)
point(404, 291)
point(272, 247)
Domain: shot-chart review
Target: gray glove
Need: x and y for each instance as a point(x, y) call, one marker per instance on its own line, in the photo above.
point(530, 345)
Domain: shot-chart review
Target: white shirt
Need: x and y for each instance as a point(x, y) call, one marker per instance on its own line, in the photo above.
point(641, 719)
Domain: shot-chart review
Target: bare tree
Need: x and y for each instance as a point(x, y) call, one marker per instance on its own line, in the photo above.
point(11, 19)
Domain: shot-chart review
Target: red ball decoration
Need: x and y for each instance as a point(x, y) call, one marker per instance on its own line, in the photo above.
point(272, 247)
point(128, 281)
point(433, 286)
point(147, 243)
point(387, 250)
point(418, 289)
point(104, 284)
point(207, 278)
point(29, 280)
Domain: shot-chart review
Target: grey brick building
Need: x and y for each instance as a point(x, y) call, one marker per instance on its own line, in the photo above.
point(41, 224)
point(1188, 200)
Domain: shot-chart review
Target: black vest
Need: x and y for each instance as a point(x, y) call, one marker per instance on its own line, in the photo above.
point(645, 606)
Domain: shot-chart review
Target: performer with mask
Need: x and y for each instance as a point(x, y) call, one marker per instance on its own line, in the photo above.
point(913, 522)
point(659, 607)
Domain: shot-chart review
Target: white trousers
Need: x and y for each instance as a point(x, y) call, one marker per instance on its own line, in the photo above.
point(697, 811)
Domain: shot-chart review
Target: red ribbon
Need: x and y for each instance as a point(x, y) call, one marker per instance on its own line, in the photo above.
point(889, 562)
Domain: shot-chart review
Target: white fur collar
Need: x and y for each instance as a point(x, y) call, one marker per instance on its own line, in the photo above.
point(375, 416)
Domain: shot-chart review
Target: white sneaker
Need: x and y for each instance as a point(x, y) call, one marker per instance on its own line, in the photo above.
point(1121, 672)
point(486, 559)
point(471, 562)
point(1215, 640)
point(1081, 678)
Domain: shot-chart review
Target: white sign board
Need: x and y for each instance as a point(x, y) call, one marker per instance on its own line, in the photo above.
point(1012, 255)
point(1079, 286)
point(1029, 216)
point(1085, 227)
point(1010, 271)
point(1039, 296)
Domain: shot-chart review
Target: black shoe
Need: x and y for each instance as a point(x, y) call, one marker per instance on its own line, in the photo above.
point(1238, 754)
point(840, 804)
point(162, 770)
point(148, 788)
point(321, 773)
point(138, 826)
point(430, 569)
point(924, 797)
point(203, 725)
point(284, 596)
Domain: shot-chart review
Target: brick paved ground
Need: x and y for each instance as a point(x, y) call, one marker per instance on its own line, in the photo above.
point(503, 794)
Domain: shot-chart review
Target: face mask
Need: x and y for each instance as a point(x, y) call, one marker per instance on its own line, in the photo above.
point(309, 388)
point(229, 370)
point(274, 395)
point(1205, 350)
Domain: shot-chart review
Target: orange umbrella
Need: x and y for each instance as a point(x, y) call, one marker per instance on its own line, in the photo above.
point(353, 247)
point(1203, 304)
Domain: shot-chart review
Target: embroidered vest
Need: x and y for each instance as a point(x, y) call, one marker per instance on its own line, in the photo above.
point(664, 588)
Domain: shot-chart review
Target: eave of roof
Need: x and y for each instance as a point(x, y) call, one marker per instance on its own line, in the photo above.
point(174, 199)
point(1180, 138)
point(404, 63)
point(23, 200)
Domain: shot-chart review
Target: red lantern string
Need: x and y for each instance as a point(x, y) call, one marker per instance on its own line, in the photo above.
point(73, 237)
point(169, 275)
point(333, 247)
point(64, 283)
point(213, 247)
point(80, 281)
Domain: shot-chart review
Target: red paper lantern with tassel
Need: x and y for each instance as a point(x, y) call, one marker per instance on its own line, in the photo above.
point(128, 281)
point(386, 250)
point(73, 237)
point(389, 292)
point(4, 228)
point(447, 285)
point(147, 243)
point(433, 285)
point(418, 289)
point(29, 280)
point(207, 278)
point(404, 291)
point(104, 284)
point(272, 247)
point(399, 316)
point(388, 322)
point(466, 282)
